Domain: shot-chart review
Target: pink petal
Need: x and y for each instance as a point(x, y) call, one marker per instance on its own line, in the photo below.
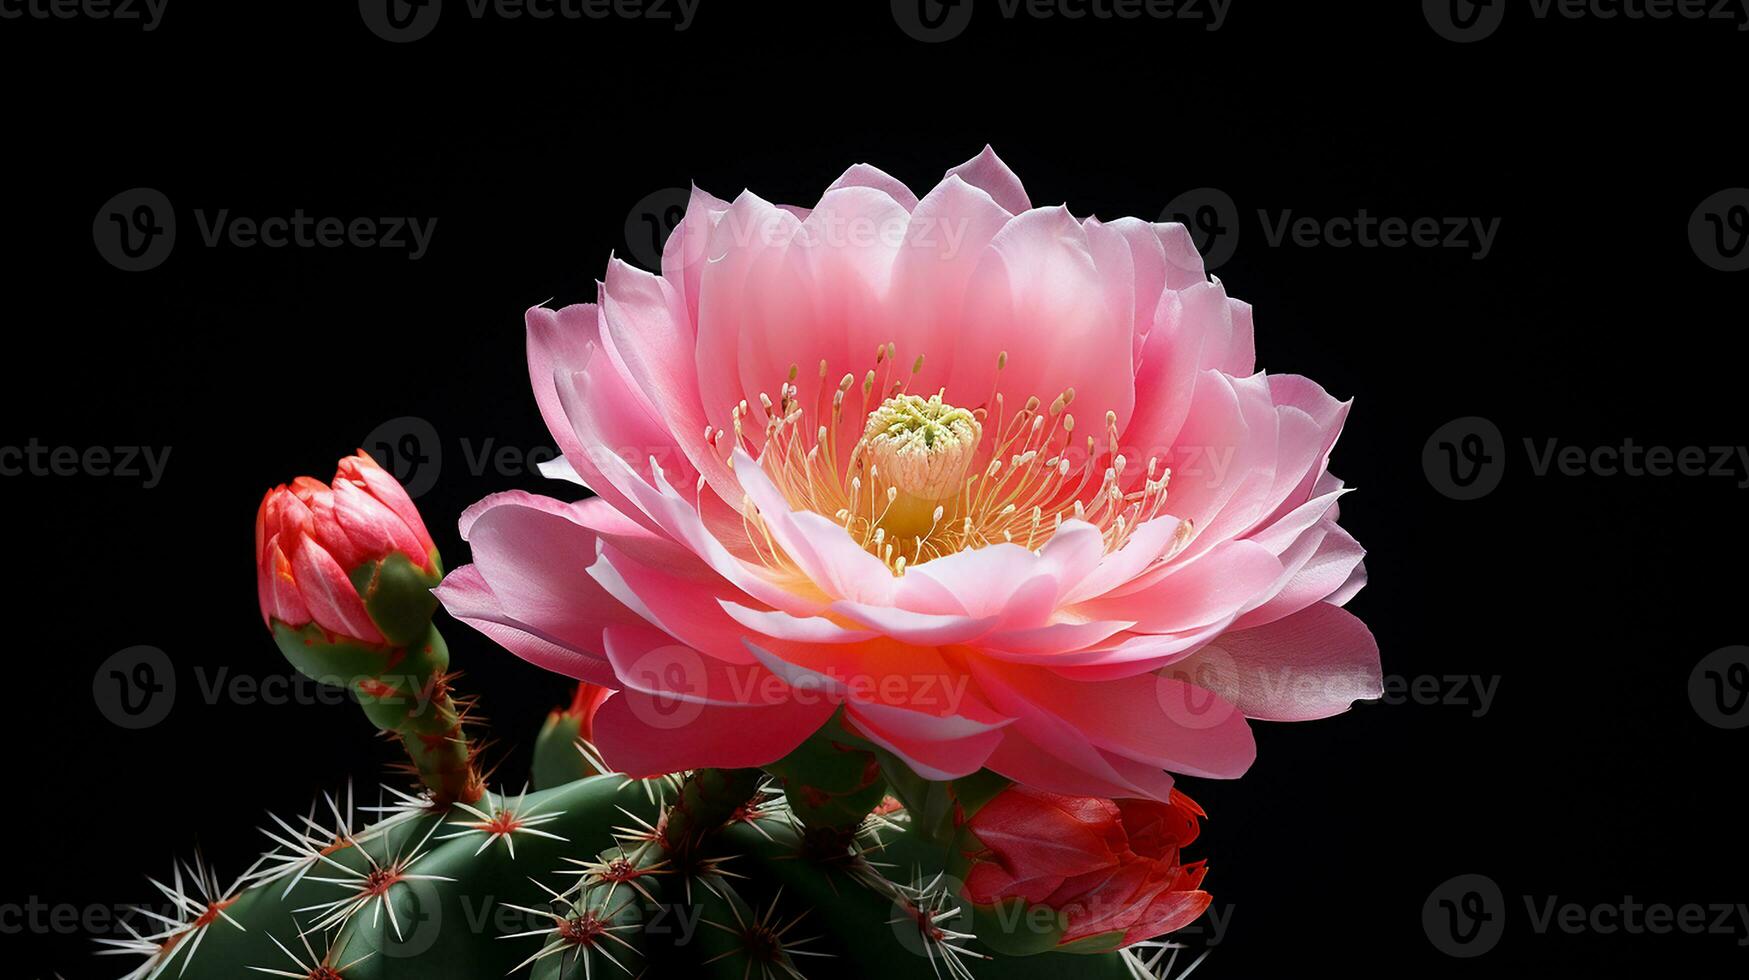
point(796, 629)
point(1125, 655)
point(1077, 770)
point(1039, 295)
point(281, 599)
point(1185, 267)
point(1324, 562)
point(650, 343)
point(1214, 586)
point(1148, 260)
point(1145, 719)
point(988, 173)
point(560, 344)
point(826, 554)
point(652, 661)
point(948, 233)
point(682, 710)
point(466, 595)
point(911, 691)
point(1150, 542)
point(931, 758)
point(1056, 638)
point(328, 593)
point(642, 735)
point(864, 175)
point(1293, 391)
point(922, 629)
point(689, 611)
point(533, 557)
point(1003, 579)
point(681, 521)
point(685, 253)
point(389, 492)
point(745, 248)
point(1348, 590)
point(1313, 664)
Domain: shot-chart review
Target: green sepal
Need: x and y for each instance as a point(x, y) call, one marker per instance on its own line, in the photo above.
point(322, 656)
point(397, 595)
point(832, 780)
point(939, 809)
point(392, 684)
point(1012, 927)
point(972, 792)
point(1104, 942)
point(929, 803)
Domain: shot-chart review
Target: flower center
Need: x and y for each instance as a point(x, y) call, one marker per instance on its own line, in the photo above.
point(926, 478)
point(924, 448)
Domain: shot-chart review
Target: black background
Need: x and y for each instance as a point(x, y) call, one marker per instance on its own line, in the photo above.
point(1588, 600)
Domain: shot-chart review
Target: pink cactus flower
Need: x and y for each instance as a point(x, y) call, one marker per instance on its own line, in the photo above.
point(1002, 485)
point(311, 540)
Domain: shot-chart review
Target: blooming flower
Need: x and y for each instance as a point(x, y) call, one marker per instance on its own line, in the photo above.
point(345, 572)
point(1001, 484)
point(320, 553)
point(1107, 872)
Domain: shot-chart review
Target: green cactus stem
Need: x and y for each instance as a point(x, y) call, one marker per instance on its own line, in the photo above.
point(708, 799)
point(832, 781)
point(404, 690)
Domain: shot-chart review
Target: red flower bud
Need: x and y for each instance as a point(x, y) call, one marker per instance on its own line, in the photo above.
point(583, 707)
point(1109, 869)
point(320, 551)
